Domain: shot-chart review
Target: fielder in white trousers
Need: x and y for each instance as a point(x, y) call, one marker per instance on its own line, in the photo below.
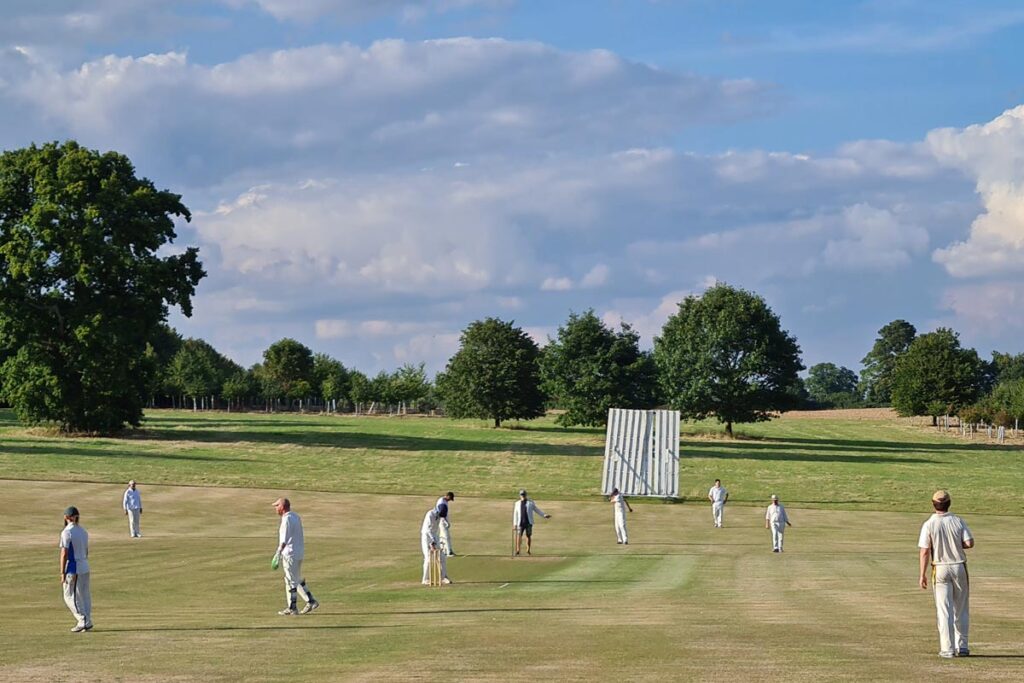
point(943, 541)
point(134, 517)
point(78, 598)
point(776, 519)
point(428, 538)
point(619, 504)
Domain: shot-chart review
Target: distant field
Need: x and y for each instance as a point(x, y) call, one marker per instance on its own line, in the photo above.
point(195, 598)
point(853, 460)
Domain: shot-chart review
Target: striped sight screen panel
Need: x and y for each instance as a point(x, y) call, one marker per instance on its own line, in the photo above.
point(641, 453)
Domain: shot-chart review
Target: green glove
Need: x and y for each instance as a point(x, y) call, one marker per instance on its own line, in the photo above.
point(275, 561)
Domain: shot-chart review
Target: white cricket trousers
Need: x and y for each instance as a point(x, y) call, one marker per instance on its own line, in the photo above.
point(620, 526)
point(952, 603)
point(78, 598)
point(777, 532)
point(718, 512)
point(425, 540)
point(445, 532)
point(293, 578)
point(134, 517)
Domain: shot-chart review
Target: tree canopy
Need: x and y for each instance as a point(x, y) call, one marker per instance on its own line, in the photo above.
point(590, 368)
point(83, 287)
point(287, 370)
point(879, 364)
point(936, 370)
point(494, 375)
point(725, 354)
point(829, 385)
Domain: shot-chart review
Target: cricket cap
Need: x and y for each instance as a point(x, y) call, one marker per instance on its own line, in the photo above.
point(522, 492)
point(71, 511)
point(451, 495)
point(131, 481)
point(940, 496)
point(774, 497)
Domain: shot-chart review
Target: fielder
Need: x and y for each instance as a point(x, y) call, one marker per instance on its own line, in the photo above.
point(777, 520)
point(445, 527)
point(132, 504)
point(74, 570)
point(619, 504)
point(429, 539)
point(522, 520)
point(290, 553)
point(718, 497)
point(944, 537)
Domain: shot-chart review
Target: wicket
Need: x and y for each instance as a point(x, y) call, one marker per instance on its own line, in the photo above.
point(435, 567)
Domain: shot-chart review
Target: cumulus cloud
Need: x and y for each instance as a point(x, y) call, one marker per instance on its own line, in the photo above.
point(556, 284)
point(874, 238)
point(990, 154)
point(991, 307)
point(595, 277)
point(350, 11)
point(453, 99)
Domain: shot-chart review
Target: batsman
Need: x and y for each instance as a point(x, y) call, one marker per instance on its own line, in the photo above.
point(429, 541)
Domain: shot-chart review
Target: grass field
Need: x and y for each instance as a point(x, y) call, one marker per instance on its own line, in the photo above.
point(195, 598)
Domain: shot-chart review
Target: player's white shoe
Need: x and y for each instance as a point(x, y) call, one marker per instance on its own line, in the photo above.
point(310, 607)
point(288, 612)
point(78, 628)
point(446, 580)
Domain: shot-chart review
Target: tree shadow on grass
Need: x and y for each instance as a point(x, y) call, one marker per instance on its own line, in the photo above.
point(799, 454)
point(49, 448)
point(365, 441)
point(893, 446)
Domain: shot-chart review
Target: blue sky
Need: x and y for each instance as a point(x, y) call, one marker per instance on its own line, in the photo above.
point(370, 177)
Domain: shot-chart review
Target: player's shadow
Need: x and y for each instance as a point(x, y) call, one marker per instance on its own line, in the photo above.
point(186, 629)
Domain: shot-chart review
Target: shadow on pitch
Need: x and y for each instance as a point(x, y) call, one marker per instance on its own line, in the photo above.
point(186, 629)
point(367, 441)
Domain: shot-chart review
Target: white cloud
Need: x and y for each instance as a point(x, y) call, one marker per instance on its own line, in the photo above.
point(595, 277)
point(432, 349)
point(556, 284)
point(452, 100)
point(874, 238)
point(990, 307)
point(990, 153)
point(351, 11)
point(368, 329)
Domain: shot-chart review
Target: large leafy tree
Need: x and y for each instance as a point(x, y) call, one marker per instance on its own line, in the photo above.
point(830, 385)
point(199, 370)
point(494, 375)
point(936, 370)
point(287, 370)
point(330, 378)
point(876, 377)
point(590, 368)
point(84, 286)
point(725, 354)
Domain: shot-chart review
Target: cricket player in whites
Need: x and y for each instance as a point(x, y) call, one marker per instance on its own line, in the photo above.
point(429, 540)
point(775, 517)
point(132, 504)
point(289, 554)
point(445, 526)
point(619, 503)
point(718, 497)
point(944, 537)
point(74, 570)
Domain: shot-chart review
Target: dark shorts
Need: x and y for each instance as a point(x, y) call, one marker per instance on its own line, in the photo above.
point(528, 530)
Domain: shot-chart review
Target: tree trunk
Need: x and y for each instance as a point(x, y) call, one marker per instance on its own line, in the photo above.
point(935, 421)
point(497, 422)
point(195, 404)
point(728, 429)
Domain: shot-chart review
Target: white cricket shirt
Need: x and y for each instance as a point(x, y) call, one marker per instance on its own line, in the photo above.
point(290, 535)
point(76, 540)
point(945, 534)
